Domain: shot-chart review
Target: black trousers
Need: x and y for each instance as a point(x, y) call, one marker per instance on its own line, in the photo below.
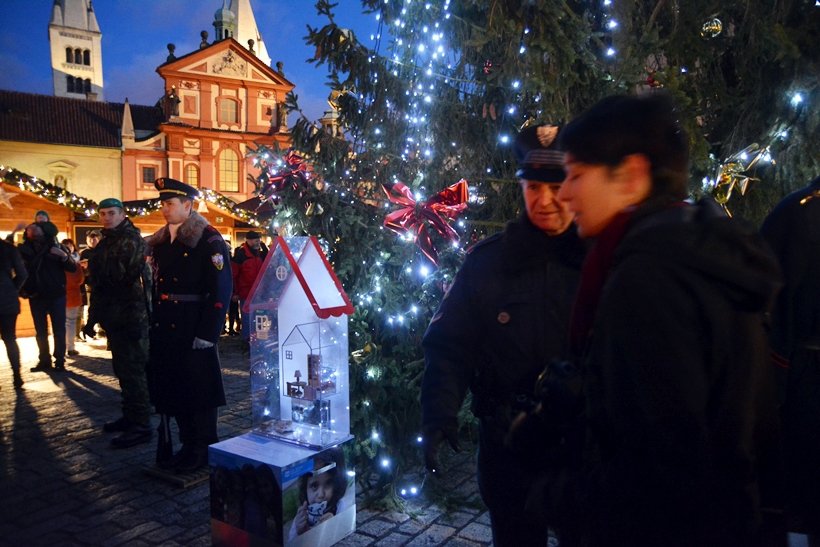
point(8, 330)
point(197, 429)
point(504, 484)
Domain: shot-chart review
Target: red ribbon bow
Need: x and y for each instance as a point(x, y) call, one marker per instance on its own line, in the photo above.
point(437, 211)
point(295, 170)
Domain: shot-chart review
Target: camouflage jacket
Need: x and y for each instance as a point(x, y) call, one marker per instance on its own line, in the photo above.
point(120, 279)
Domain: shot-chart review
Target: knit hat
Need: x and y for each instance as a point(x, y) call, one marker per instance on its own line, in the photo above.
point(252, 235)
point(45, 214)
point(49, 229)
point(539, 158)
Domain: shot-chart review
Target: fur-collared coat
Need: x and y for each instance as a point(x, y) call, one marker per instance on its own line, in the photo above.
point(192, 290)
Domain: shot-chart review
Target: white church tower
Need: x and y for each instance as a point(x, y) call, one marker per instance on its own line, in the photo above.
point(76, 50)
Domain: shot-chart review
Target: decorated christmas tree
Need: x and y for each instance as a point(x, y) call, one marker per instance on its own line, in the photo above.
point(437, 95)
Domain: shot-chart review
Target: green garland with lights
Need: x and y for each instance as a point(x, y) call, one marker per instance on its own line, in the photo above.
point(88, 207)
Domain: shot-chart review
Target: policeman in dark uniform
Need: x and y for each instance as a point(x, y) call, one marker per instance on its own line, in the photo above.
point(505, 317)
point(192, 289)
point(793, 231)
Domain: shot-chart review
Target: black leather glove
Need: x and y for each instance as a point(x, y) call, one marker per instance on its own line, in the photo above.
point(431, 439)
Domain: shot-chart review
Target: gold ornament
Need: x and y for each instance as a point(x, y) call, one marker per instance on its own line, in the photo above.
point(711, 28)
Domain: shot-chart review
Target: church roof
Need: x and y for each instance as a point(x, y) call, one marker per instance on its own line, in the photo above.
point(28, 117)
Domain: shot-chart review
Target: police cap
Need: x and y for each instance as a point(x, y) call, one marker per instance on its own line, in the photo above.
point(169, 188)
point(539, 158)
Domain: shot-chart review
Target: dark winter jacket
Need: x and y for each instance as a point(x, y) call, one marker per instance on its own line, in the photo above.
point(793, 231)
point(12, 276)
point(120, 281)
point(680, 400)
point(247, 265)
point(46, 271)
point(504, 318)
point(192, 290)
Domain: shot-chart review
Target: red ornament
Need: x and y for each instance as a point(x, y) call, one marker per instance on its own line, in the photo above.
point(488, 66)
point(294, 171)
point(437, 211)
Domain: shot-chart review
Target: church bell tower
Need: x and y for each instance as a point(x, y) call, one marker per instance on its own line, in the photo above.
point(76, 50)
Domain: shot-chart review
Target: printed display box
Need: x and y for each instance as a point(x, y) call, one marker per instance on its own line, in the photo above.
point(299, 347)
point(266, 492)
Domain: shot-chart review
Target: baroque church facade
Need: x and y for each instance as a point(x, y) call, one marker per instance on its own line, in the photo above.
point(218, 102)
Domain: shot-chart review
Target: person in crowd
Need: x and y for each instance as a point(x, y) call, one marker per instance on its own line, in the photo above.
point(669, 322)
point(41, 216)
point(12, 276)
point(46, 262)
point(92, 238)
point(192, 288)
point(247, 262)
point(793, 231)
point(503, 319)
point(73, 299)
point(120, 284)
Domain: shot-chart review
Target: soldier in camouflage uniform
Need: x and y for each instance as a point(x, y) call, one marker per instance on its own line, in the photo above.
point(120, 282)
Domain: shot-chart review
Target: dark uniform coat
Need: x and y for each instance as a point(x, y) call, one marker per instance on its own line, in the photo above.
point(192, 289)
point(793, 231)
point(503, 320)
point(679, 386)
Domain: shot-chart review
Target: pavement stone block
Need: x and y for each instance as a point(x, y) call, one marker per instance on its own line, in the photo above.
point(355, 540)
point(375, 527)
point(436, 534)
point(393, 540)
point(456, 520)
point(477, 532)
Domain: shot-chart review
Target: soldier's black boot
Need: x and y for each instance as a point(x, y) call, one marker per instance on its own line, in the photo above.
point(134, 435)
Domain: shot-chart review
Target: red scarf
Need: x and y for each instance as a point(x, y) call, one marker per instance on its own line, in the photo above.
point(594, 274)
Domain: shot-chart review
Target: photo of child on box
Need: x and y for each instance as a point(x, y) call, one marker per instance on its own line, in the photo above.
point(321, 493)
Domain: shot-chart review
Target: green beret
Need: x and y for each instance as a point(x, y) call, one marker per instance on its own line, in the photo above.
point(111, 202)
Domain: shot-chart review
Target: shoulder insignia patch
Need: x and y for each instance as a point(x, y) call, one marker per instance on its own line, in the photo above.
point(218, 261)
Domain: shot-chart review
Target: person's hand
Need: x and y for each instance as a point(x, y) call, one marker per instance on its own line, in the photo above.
point(432, 439)
point(199, 343)
point(301, 520)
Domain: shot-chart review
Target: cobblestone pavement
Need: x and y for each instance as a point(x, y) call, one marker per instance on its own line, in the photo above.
point(61, 484)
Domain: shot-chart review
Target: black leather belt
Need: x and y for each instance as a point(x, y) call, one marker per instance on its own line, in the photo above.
point(182, 297)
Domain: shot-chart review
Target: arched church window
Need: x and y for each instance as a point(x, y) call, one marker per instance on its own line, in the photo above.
point(78, 56)
point(87, 57)
point(87, 86)
point(69, 84)
point(69, 55)
point(228, 171)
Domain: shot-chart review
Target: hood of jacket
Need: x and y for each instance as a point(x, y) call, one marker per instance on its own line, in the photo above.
point(189, 233)
point(701, 239)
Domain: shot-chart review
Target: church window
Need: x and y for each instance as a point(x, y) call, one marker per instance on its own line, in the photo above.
point(228, 171)
point(69, 55)
point(87, 86)
point(87, 58)
point(228, 111)
point(78, 56)
point(69, 84)
point(192, 175)
point(149, 175)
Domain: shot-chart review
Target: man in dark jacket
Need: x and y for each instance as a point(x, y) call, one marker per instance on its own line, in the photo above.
point(120, 287)
point(192, 288)
point(12, 276)
point(46, 262)
point(248, 259)
point(793, 231)
point(504, 318)
point(669, 320)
